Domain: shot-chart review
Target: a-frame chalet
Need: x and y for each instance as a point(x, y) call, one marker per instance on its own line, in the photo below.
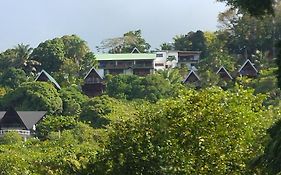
point(224, 74)
point(192, 78)
point(22, 122)
point(44, 76)
point(248, 69)
point(93, 83)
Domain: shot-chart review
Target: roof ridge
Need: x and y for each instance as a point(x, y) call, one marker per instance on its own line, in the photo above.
point(49, 77)
point(222, 67)
point(190, 72)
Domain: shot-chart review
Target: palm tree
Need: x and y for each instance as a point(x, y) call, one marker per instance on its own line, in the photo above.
point(23, 59)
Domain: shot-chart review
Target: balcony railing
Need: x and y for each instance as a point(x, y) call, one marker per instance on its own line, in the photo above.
point(143, 66)
point(21, 132)
point(127, 66)
point(92, 81)
point(188, 60)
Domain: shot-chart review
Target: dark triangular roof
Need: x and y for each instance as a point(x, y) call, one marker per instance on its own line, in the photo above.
point(10, 117)
point(95, 71)
point(31, 118)
point(50, 78)
point(223, 70)
point(192, 72)
point(250, 63)
point(26, 118)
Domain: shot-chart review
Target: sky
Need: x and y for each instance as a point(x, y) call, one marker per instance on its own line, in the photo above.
point(34, 21)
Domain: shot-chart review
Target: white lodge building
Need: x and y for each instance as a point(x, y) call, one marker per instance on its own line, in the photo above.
point(143, 64)
point(129, 63)
point(171, 59)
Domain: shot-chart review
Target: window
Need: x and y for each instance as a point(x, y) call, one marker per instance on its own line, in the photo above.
point(159, 55)
point(171, 58)
point(159, 64)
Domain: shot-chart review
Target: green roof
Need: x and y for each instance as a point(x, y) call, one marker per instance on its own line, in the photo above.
point(127, 56)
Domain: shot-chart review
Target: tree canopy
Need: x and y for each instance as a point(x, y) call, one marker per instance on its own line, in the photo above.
point(153, 124)
point(254, 7)
point(126, 43)
point(40, 96)
point(210, 131)
point(69, 57)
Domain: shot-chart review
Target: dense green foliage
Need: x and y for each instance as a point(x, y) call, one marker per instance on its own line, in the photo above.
point(66, 153)
point(55, 124)
point(72, 99)
point(101, 111)
point(193, 41)
point(206, 132)
point(50, 54)
point(152, 87)
point(13, 77)
point(152, 124)
point(270, 160)
point(278, 61)
point(254, 7)
point(126, 44)
point(19, 58)
point(197, 132)
point(38, 96)
point(68, 57)
point(11, 138)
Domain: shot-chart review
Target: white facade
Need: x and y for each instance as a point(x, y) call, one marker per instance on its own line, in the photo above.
point(171, 59)
point(143, 64)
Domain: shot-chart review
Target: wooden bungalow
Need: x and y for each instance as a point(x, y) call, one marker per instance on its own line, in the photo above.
point(93, 83)
point(44, 76)
point(224, 74)
point(23, 122)
point(248, 69)
point(192, 78)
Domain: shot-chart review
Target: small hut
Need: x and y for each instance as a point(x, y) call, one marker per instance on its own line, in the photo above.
point(23, 122)
point(93, 83)
point(45, 77)
point(248, 69)
point(192, 78)
point(224, 74)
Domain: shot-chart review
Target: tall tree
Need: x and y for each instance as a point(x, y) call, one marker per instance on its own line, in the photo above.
point(126, 43)
point(69, 57)
point(193, 41)
point(50, 54)
point(269, 161)
point(23, 51)
point(167, 46)
point(249, 36)
point(199, 132)
point(75, 48)
point(218, 54)
point(34, 96)
point(12, 78)
point(254, 7)
point(19, 57)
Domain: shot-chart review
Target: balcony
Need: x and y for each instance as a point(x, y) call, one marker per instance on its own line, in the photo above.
point(126, 64)
point(21, 132)
point(143, 66)
point(114, 66)
point(188, 59)
point(91, 80)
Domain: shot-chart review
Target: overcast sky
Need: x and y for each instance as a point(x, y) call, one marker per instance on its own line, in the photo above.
point(34, 21)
